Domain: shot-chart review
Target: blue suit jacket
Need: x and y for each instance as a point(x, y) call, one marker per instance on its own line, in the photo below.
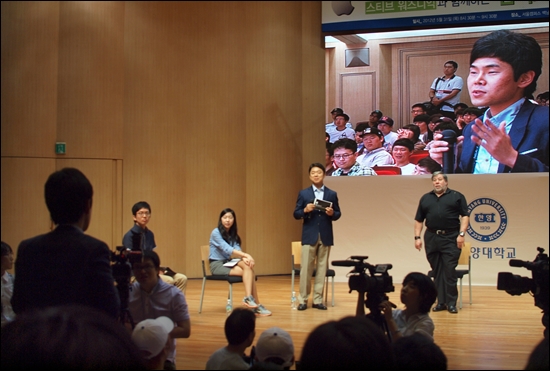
point(316, 222)
point(529, 132)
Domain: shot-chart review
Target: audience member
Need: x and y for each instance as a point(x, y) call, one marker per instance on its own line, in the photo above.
point(239, 331)
point(225, 243)
point(151, 297)
point(418, 293)
point(412, 132)
point(513, 134)
point(427, 165)
point(375, 153)
point(418, 353)
point(385, 125)
point(401, 152)
point(359, 137)
point(418, 109)
point(317, 237)
point(340, 130)
point(469, 115)
point(7, 283)
point(70, 337)
point(542, 98)
point(352, 343)
point(374, 117)
point(445, 91)
point(445, 123)
point(145, 241)
point(330, 166)
point(332, 125)
point(538, 359)
point(65, 266)
point(460, 106)
point(345, 157)
point(152, 337)
point(422, 121)
point(274, 350)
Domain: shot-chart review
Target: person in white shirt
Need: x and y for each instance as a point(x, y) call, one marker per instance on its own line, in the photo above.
point(401, 153)
point(341, 131)
point(375, 153)
point(8, 314)
point(385, 125)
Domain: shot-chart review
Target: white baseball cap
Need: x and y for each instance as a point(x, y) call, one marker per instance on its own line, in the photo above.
point(151, 335)
point(275, 342)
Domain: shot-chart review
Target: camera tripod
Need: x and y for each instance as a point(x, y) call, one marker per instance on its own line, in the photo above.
point(372, 302)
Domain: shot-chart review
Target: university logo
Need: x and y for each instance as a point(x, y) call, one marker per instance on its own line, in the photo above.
point(488, 219)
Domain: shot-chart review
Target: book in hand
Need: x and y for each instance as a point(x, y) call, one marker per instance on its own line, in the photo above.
point(321, 204)
point(167, 271)
point(232, 262)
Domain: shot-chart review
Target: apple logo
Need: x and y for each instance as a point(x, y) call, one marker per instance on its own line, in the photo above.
point(342, 7)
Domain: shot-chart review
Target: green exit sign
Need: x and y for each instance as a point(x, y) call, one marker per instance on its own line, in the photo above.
point(60, 148)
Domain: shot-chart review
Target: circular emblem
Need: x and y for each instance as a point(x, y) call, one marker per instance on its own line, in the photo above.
point(488, 219)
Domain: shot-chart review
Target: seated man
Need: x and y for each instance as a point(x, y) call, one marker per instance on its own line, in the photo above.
point(145, 238)
point(240, 330)
point(375, 153)
point(401, 152)
point(345, 157)
point(150, 298)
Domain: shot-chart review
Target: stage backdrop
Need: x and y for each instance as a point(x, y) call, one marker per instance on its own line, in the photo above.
point(509, 220)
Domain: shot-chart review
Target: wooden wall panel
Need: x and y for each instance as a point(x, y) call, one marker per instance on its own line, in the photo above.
point(359, 92)
point(91, 78)
point(103, 176)
point(24, 211)
point(30, 53)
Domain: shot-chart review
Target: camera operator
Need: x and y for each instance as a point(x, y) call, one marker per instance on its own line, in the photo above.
point(418, 294)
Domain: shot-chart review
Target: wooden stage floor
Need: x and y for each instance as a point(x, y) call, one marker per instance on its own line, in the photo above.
point(496, 332)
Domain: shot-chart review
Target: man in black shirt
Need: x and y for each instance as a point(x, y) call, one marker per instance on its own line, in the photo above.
point(446, 214)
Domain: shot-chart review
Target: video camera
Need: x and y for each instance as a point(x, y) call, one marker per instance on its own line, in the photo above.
point(123, 259)
point(514, 284)
point(379, 280)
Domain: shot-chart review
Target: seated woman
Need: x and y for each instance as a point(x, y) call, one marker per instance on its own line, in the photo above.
point(418, 294)
point(225, 243)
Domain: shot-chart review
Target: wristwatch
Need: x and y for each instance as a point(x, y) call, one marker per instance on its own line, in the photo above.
point(461, 234)
point(417, 237)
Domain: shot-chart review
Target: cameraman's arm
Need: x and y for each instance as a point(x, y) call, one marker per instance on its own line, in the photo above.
point(386, 307)
point(360, 310)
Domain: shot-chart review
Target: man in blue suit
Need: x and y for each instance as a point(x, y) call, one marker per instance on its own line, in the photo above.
point(317, 236)
point(512, 136)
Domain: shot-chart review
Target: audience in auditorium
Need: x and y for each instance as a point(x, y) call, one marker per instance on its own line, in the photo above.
point(412, 132)
point(7, 283)
point(427, 165)
point(418, 353)
point(274, 350)
point(385, 125)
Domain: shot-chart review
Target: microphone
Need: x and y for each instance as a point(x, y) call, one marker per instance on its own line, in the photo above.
point(449, 136)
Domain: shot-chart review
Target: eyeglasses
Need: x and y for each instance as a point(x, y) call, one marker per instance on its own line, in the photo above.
point(344, 156)
point(144, 213)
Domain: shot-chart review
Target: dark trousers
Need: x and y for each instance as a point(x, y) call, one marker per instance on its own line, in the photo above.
point(443, 253)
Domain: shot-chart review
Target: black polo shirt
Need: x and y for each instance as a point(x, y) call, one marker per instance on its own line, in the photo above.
point(442, 212)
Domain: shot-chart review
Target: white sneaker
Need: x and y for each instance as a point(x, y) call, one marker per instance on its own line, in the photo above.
point(249, 302)
point(261, 311)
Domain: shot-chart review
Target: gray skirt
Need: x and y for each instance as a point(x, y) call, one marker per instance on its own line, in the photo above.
point(217, 268)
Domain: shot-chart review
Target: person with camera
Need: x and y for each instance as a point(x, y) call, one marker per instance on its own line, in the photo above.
point(144, 238)
point(65, 266)
point(317, 236)
point(445, 212)
point(418, 293)
point(151, 297)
